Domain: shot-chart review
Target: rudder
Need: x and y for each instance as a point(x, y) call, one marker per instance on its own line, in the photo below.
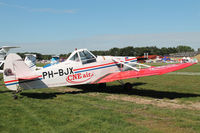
point(9, 72)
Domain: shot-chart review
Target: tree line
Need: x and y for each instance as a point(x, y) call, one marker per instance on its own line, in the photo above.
point(139, 51)
point(126, 51)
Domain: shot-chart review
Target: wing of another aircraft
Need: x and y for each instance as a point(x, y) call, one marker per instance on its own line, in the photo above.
point(142, 73)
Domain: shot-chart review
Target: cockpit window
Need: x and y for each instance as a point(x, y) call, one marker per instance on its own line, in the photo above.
point(74, 57)
point(86, 57)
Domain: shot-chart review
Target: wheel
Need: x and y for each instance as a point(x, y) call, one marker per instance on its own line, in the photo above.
point(102, 86)
point(128, 86)
point(15, 97)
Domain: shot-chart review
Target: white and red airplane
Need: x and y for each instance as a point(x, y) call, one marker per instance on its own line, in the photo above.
point(82, 67)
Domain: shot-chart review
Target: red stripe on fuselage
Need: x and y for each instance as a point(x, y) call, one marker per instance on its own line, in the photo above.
point(10, 81)
point(15, 80)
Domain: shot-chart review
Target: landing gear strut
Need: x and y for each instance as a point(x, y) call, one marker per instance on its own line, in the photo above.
point(15, 96)
point(127, 85)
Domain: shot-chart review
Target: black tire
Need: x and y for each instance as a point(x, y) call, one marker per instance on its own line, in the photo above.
point(15, 97)
point(101, 86)
point(128, 86)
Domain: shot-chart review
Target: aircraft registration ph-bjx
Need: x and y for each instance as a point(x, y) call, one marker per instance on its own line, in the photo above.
point(82, 67)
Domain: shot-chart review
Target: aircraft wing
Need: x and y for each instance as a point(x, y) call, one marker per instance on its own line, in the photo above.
point(142, 73)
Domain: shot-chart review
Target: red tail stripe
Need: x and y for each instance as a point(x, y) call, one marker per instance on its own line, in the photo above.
point(10, 81)
point(15, 80)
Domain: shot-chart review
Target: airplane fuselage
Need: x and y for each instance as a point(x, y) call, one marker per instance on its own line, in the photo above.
point(81, 67)
point(70, 73)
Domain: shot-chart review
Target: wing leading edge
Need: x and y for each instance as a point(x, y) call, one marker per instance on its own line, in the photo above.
point(142, 73)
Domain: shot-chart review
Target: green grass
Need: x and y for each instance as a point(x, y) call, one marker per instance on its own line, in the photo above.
point(87, 109)
point(40, 64)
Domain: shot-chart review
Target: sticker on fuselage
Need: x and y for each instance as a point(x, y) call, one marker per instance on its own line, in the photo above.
point(79, 77)
point(60, 72)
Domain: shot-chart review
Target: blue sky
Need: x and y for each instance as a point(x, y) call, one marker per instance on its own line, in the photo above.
point(58, 26)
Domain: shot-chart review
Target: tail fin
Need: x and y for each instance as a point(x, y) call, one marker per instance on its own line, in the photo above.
point(14, 70)
point(9, 72)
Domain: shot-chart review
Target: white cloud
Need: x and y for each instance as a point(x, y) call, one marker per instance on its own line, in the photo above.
point(45, 10)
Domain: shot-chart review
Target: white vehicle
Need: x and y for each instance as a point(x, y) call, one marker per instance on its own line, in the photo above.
point(3, 52)
point(82, 67)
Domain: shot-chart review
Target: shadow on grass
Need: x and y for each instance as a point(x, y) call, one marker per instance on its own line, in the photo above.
point(115, 89)
point(41, 95)
point(5, 91)
point(118, 89)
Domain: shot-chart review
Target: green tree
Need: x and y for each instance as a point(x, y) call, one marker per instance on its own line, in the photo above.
point(127, 51)
point(114, 51)
point(182, 48)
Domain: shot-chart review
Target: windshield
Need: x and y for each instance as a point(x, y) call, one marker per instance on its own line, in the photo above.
point(86, 57)
point(74, 57)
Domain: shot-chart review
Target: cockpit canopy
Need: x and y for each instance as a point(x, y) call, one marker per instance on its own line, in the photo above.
point(82, 55)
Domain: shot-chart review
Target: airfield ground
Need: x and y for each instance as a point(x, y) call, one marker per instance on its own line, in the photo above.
point(166, 103)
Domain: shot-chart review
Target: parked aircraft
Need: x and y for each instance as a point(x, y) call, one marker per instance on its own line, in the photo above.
point(82, 67)
point(3, 52)
point(54, 60)
point(30, 61)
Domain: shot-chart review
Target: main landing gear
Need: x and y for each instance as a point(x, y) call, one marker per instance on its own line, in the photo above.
point(101, 86)
point(15, 96)
point(126, 86)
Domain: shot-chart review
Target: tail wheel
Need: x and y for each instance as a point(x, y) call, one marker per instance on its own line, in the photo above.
point(15, 97)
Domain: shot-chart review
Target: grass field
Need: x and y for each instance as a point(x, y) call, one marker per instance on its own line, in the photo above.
point(156, 104)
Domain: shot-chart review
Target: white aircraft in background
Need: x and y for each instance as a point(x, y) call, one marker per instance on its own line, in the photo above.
point(30, 61)
point(54, 60)
point(82, 67)
point(3, 52)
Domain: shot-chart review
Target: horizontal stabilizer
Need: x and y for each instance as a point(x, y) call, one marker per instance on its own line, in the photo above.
point(23, 71)
point(143, 72)
point(29, 77)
